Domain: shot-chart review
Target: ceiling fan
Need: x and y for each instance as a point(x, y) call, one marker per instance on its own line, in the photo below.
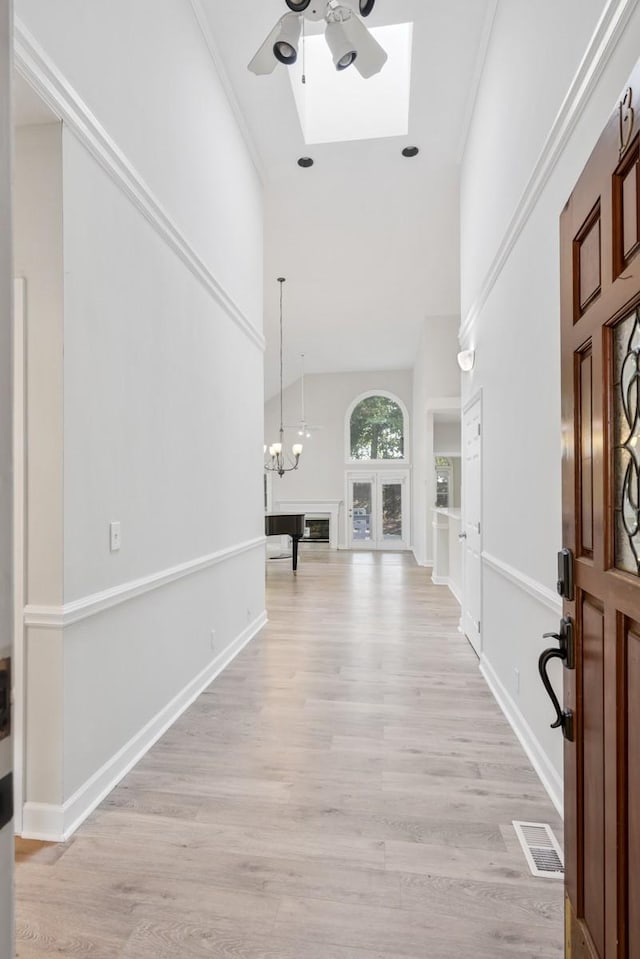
point(347, 37)
point(303, 428)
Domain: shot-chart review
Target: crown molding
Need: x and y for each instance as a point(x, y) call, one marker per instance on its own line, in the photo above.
point(218, 63)
point(608, 32)
point(40, 72)
point(481, 59)
point(59, 617)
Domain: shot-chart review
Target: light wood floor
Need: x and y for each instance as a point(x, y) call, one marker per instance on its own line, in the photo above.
point(343, 791)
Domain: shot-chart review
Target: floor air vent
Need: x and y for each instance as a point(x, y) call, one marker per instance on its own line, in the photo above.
point(541, 849)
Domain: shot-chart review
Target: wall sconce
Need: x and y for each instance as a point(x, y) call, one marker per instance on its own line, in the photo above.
point(466, 360)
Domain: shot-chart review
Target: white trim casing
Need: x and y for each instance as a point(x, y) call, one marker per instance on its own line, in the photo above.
point(19, 409)
point(531, 586)
point(608, 31)
point(41, 73)
point(58, 617)
point(51, 823)
point(547, 773)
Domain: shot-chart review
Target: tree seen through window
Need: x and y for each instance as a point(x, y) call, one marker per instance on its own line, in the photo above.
point(377, 430)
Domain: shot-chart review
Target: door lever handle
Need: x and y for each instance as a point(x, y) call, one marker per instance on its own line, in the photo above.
point(462, 535)
point(564, 652)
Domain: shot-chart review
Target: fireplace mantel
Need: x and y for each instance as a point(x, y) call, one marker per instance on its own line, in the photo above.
point(329, 506)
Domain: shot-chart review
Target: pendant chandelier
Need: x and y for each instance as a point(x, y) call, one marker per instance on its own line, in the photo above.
point(277, 462)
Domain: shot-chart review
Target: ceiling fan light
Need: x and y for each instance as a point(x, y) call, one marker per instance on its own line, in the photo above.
point(346, 60)
point(371, 56)
point(342, 48)
point(285, 48)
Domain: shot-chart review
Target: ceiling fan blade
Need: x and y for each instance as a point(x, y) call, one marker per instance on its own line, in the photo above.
point(264, 61)
point(302, 428)
point(371, 56)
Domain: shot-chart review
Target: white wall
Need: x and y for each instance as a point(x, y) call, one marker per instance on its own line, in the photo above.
point(510, 296)
point(436, 385)
point(446, 437)
point(321, 475)
point(6, 511)
point(162, 213)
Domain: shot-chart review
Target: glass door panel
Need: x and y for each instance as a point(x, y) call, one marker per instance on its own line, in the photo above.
point(391, 519)
point(361, 513)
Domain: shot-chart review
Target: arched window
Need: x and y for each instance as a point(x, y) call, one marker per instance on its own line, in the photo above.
point(376, 429)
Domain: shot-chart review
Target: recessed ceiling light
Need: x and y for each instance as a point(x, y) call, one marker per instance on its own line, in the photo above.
point(305, 162)
point(410, 152)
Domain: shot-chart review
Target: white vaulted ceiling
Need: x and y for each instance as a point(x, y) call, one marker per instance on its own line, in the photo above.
point(367, 239)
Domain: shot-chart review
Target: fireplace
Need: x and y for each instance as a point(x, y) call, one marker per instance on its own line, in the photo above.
point(316, 529)
point(326, 510)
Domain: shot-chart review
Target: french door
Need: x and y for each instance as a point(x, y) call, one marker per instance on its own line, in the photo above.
point(377, 514)
point(599, 569)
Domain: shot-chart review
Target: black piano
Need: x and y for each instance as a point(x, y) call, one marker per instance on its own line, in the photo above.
point(286, 524)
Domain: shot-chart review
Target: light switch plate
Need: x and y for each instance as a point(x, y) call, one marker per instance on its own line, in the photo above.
point(114, 537)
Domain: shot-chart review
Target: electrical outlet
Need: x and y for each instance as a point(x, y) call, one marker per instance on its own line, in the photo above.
point(516, 673)
point(213, 639)
point(114, 537)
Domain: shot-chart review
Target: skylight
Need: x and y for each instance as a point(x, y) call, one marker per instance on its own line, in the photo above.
point(336, 106)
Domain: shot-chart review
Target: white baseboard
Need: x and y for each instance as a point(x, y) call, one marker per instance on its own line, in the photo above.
point(42, 821)
point(547, 773)
point(421, 561)
point(455, 590)
point(52, 823)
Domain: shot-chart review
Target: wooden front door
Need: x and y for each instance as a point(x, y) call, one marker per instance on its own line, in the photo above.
point(600, 264)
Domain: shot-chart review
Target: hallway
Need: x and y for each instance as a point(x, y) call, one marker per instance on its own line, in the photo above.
point(344, 790)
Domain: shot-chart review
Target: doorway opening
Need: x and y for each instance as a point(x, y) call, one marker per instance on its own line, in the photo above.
point(37, 423)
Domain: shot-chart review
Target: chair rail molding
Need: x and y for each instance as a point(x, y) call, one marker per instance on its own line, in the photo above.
point(58, 617)
point(608, 32)
point(537, 590)
point(41, 73)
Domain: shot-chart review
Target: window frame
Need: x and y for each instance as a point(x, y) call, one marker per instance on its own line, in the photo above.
point(381, 463)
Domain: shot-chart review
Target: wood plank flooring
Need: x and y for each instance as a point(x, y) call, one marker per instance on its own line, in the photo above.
point(344, 790)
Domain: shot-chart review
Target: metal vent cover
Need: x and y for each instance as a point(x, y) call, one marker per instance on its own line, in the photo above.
point(541, 848)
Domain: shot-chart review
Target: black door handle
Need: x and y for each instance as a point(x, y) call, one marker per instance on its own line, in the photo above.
point(565, 652)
